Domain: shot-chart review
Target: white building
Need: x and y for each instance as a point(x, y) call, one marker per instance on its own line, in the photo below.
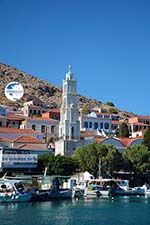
point(92, 122)
point(69, 126)
point(49, 127)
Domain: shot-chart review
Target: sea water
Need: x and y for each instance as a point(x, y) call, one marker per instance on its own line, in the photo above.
point(102, 211)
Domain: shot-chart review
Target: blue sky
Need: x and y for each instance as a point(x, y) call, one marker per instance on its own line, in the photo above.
point(107, 42)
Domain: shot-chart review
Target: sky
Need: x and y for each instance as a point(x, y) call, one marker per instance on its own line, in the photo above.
point(107, 42)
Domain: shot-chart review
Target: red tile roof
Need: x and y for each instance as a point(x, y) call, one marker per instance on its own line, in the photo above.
point(143, 117)
point(15, 117)
point(128, 141)
point(3, 139)
point(88, 133)
point(42, 119)
point(15, 130)
point(115, 122)
point(140, 124)
point(54, 110)
point(27, 139)
point(33, 147)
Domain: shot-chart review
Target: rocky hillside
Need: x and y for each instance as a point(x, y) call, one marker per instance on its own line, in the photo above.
point(46, 92)
point(35, 87)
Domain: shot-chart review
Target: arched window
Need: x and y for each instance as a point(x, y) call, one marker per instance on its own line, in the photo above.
point(106, 126)
point(85, 124)
point(95, 125)
point(90, 124)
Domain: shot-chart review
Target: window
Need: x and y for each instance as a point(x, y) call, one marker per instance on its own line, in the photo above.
point(95, 125)
point(34, 112)
point(90, 124)
point(72, 132)
point(106, 126)
point(86, 124)
point(52, 129)
point(33, 127)
point(43, 129)
point(101, 125)
point(106, 116)
point(1, 124)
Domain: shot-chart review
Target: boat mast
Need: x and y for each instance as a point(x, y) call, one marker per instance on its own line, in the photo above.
point(99, 168)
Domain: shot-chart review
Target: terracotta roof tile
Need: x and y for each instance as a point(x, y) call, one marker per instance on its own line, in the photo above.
point(42, 119)
point(33, 147)
point(143, 117)
point(15, 130)
point(15, 117)
point(127, 141)
point(27, 139)
point(3, 139)
point(140, 124)
point(115, 122)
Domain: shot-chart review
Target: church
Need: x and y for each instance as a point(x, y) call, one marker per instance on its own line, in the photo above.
point(69, 126)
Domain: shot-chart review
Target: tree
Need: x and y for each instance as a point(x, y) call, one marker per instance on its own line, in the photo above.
point(112, 110)
point(137, 159)
point(123, 130)
point(110, 104)
point(64, 165)
point(95, 154)
point(58, 165)
point(146, 140)
point(85, 110)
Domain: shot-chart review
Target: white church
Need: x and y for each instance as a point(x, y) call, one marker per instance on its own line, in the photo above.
point(69, 126)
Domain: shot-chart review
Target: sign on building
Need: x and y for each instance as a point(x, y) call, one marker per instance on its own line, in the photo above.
point(19, 160)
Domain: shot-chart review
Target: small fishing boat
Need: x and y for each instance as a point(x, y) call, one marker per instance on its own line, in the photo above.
point(52, 187)
point(13, 191)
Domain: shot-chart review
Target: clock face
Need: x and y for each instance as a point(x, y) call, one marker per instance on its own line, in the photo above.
point(14, 91)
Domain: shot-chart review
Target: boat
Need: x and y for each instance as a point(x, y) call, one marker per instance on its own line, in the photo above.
point(52, 187)
point(108, 187)
point(12, 191)
point(87, 189)
point(146, 187)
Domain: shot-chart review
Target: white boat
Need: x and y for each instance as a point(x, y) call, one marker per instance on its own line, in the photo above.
point(13, 191)
point(108, 187)
point(146, 189)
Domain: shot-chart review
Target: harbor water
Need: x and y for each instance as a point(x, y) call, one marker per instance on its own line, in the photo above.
point(103, 211)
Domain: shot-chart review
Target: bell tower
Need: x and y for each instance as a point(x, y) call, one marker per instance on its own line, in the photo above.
point(69, 127)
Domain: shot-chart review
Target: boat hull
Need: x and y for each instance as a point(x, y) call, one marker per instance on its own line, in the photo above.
point(60, 194)
point(15, 198)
